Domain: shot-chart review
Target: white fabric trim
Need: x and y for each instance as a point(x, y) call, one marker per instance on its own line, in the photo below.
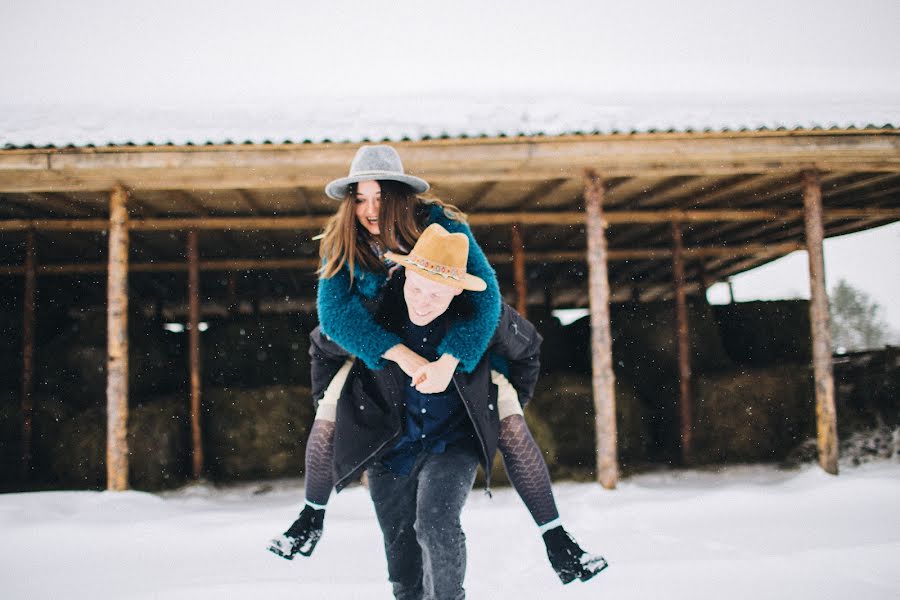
point(507, 397)
point(550, 525)
point(327, 410)
point(315, 506)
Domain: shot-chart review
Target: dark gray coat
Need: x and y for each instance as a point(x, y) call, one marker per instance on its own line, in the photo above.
point(371, 406)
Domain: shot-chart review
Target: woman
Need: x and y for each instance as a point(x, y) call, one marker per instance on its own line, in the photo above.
point(381, 212)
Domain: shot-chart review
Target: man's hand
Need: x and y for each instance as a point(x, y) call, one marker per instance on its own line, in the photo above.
point(434, 377)
point(406, 359)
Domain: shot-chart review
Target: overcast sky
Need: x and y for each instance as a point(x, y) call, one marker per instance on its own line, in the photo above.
point(212, 54)
point(162, 52)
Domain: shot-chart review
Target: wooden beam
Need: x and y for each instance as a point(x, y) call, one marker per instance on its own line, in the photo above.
point(826, 420)
point(542, 190)
point(60, 203)
point(602, 378)
point(683, 343)
point(481, 192)
point(661, 189)
point(477, 220)
point(194, 351)
point(519, 281)
point(28, 322)
point(117, 335)
point(311, 264)
point(450, 161)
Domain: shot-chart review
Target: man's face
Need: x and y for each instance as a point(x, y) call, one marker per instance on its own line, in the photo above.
point(426, 300)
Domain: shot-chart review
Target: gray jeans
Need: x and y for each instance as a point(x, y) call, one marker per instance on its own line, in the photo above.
point(419, 517)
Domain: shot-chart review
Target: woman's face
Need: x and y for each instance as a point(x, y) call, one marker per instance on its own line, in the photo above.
point(367, 204)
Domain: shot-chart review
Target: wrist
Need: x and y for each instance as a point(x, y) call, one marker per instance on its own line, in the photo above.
point(449, 360)
point(394, 353)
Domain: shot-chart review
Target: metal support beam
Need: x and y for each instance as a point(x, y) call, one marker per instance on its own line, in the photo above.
point(826, 419)
point(603, 378)
point(117, 344)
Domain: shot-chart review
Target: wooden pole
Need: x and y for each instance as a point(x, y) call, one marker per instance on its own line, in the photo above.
point(194, 353)
point(117, 344)
point(28, 311)
point(519, 282)
point(683, 343)
point(232, 294)
point(603, 378)
point(826, 419)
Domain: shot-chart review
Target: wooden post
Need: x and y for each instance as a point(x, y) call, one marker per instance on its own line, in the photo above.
point(117, 344)
point(683, 344)
point(603, 378)
point(194, 353)
point(826, 419)
point(28, 351)
point(232, 294)
point(704, 281)
point(519, 282)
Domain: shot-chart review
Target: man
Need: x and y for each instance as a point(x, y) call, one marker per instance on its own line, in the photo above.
point(421, 450)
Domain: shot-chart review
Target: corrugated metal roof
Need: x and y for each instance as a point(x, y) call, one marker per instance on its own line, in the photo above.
point(423, 119)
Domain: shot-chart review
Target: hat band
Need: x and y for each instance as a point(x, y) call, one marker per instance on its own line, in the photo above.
point(374, 173)
point(454, 273)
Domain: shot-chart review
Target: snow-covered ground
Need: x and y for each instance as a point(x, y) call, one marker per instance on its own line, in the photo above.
point(743, 532)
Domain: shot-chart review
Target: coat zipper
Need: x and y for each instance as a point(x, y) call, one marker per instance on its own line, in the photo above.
point(515, 327)
point(368, 458)
point(487, 461)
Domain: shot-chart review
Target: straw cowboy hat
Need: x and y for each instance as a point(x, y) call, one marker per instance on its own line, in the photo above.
point(440, 256)
point(374, 162)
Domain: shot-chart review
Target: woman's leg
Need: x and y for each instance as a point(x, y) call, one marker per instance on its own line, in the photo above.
point(522, 458)
point(528, 473)
point(320, 443)
point(303, 535)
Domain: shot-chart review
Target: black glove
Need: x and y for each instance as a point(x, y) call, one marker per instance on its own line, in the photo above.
point(302, 536)
point(568, 559)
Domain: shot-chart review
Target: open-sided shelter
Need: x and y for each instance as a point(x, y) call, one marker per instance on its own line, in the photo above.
point(570, 219)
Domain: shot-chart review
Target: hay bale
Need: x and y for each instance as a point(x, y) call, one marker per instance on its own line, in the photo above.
point(565, 402)
point(867, 390)
point(764, 333)
point(257, 351)
point(78, 450)
point(11, 350)
point(73, 364)
point(159, 443)
point(752, 415)
point(644, 339)
point(10, 437)
point(256, 433)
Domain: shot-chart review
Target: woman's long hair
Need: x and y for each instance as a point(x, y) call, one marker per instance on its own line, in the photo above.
point(346, 242)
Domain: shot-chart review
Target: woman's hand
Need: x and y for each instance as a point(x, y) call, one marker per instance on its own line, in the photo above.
point(434, 377)
point(406, 359)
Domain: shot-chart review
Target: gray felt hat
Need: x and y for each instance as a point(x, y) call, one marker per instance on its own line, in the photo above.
point(374, 162)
